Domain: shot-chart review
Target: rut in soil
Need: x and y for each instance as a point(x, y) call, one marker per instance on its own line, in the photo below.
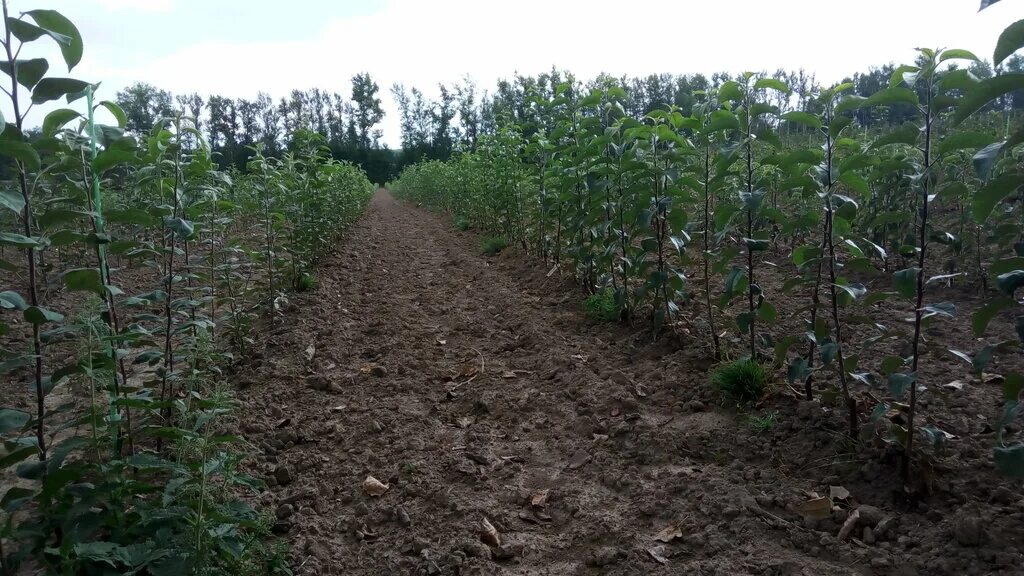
point(475, 389)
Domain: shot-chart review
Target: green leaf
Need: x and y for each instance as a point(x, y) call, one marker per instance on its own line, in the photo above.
point(905, 281)
point(1009, 460)
point(57, 119)
point(985, 314)
point(907, 134)
point(29, 71)
point(1009, 282)
point(957, 54)
point(773, 84)
point(85, 280)
point(986, 91)
point(892, 95)
point(1011, 40)
point(24, 31)
point(63, 31)
point(985, 159)
point(37, 315)
point(15, 497)
point(11, 420)
point(17, 240)
point(804, 118)
point(121, 151)
point(12, 200)
point(113, 554)
point(21, 151)
point(10, 300)
point(53, 88)
point(992, 193)
point(899, 382)
point(117, 112)
point(964, 141)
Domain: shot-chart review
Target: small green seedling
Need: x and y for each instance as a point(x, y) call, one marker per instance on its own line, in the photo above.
point(493, 244)
point(601, 307)
point(741, 381)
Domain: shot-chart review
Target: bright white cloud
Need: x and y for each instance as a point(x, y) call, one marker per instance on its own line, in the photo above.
point(137, 5)
point(422, 43)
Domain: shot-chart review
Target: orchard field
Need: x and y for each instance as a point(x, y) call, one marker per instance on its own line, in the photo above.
point(745, 324)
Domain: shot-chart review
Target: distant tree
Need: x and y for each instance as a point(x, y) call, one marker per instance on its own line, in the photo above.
point(368, 111)
point(144, 104)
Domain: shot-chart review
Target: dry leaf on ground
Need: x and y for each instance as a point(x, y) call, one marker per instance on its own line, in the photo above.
point(540, 498)
point(489, 534)
point(374, 487)
point(816, 508)
point(669, 533)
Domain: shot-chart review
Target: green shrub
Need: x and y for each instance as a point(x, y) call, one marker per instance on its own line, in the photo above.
point(741, 381)
point(305, 282)
point(601, 306)
point(494, 244)
point(463, 223)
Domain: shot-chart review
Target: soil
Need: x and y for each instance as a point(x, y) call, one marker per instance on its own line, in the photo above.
point(478, 392)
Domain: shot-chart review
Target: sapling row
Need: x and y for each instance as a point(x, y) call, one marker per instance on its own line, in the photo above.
point(156, 292)
point(617, 198)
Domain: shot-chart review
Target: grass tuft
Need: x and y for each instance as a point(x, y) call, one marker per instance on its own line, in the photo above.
point(601, 306)
point(463, 223)
point(494, 244)
point(742, 381)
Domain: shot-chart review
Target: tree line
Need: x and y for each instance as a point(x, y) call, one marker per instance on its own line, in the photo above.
point(234, 127)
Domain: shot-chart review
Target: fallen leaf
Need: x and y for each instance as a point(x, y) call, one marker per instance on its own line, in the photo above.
point(540, 498)
point(465, 421)
point(991, 378)
point(642, 394)
point(338, 408)
point(374, 487)
point(954, 385)
point(468, 371)
point(816, 508)
point(282, 423)
point(838, 493)
point(310, 352)
point(849, 525)
point(489, 534)
point(658, 554)
point(669, 533)
point(508, 374)
point(440, 342)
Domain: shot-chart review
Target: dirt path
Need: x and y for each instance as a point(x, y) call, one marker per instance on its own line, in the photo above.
point(472, 385)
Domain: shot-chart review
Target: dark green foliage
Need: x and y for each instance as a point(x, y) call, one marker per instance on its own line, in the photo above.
point(491, 245)
point(306, 282)
point(742, 381)
point(463, 223)
point(601, 306)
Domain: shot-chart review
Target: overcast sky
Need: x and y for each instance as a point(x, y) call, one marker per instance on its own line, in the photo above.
point(239, 47)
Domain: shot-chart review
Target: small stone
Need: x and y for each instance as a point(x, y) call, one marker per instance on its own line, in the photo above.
point(284, 511)
point(476, 549)
point(283, 475)
point(604, 556)
point(379, 371)
point(969, 531)
point(696, 406)
point(806, 409)
point(880, 562)
point(870, 515)
point(402, 516)
point(1003, 495)
point(868, 536)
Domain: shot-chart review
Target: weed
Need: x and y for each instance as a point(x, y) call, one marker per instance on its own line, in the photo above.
point(601, 306)
point(493, 244)
point(741, 381)
point(305, 282)
point(463, 223)
point(764, 422)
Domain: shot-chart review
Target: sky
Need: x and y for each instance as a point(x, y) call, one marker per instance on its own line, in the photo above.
point(237, 48)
